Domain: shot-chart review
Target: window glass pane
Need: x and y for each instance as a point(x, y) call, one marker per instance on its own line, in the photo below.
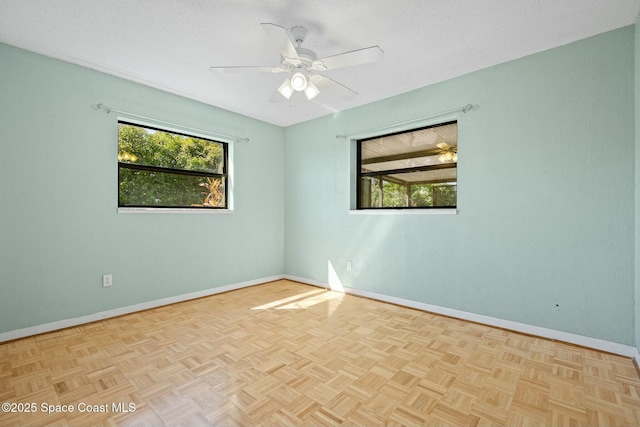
point(445, 195)
point(159, 168)
point(153, 188)
point(413, 169)
point(145, 146)
point(385, 194)
point(380, 193)
point(435, 176)
point(432, 145)
point(401, 164)
point(433, 195)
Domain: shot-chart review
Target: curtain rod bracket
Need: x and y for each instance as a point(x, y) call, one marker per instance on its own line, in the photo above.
point(101, 106)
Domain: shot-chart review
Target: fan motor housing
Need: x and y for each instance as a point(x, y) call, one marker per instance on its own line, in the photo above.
point(307, 59)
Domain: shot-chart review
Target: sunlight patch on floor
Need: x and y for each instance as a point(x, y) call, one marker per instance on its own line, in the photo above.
point(287, 300)
point(329, 296)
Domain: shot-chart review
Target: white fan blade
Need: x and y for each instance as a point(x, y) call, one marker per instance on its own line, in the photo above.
point(242, 69)
point(280, 37)
point(355, 57)
point(277, 97)
point(332, 87)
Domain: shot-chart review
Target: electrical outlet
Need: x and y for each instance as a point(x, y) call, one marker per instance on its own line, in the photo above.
point(107, 280)
point(349, 265)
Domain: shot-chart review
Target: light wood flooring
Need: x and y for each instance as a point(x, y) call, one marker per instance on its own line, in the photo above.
point(285, 353)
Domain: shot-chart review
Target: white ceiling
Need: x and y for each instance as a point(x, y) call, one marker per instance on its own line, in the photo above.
point(170, 44)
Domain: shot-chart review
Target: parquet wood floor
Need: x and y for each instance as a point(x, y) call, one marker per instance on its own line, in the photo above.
point(285, 353)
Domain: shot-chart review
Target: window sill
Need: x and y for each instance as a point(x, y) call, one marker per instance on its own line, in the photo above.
point(403, 212)
point(174, 211)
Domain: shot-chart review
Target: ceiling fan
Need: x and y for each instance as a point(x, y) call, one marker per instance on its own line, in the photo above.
point(305, 66)
point(448, 154)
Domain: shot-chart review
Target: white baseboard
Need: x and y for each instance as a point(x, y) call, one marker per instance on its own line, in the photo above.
point(595, 343)
point(581, 340)
point(67, 323)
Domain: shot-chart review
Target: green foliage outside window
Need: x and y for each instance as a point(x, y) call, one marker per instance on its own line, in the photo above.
point(421, 195)
point(159, 168)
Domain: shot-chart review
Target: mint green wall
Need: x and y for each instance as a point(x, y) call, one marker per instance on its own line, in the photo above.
point(59, 230)
point(545, 196)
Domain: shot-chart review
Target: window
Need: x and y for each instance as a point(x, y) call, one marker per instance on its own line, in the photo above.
point(162, 169)
point(411, 169)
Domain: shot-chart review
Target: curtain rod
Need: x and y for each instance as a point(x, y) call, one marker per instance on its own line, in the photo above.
point(108, 110)
point(463, 109)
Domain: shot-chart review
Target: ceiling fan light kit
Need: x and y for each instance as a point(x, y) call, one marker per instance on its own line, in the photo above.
point(305, 66)
point(311, 91)
point(299, 81)
point(286, 89)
